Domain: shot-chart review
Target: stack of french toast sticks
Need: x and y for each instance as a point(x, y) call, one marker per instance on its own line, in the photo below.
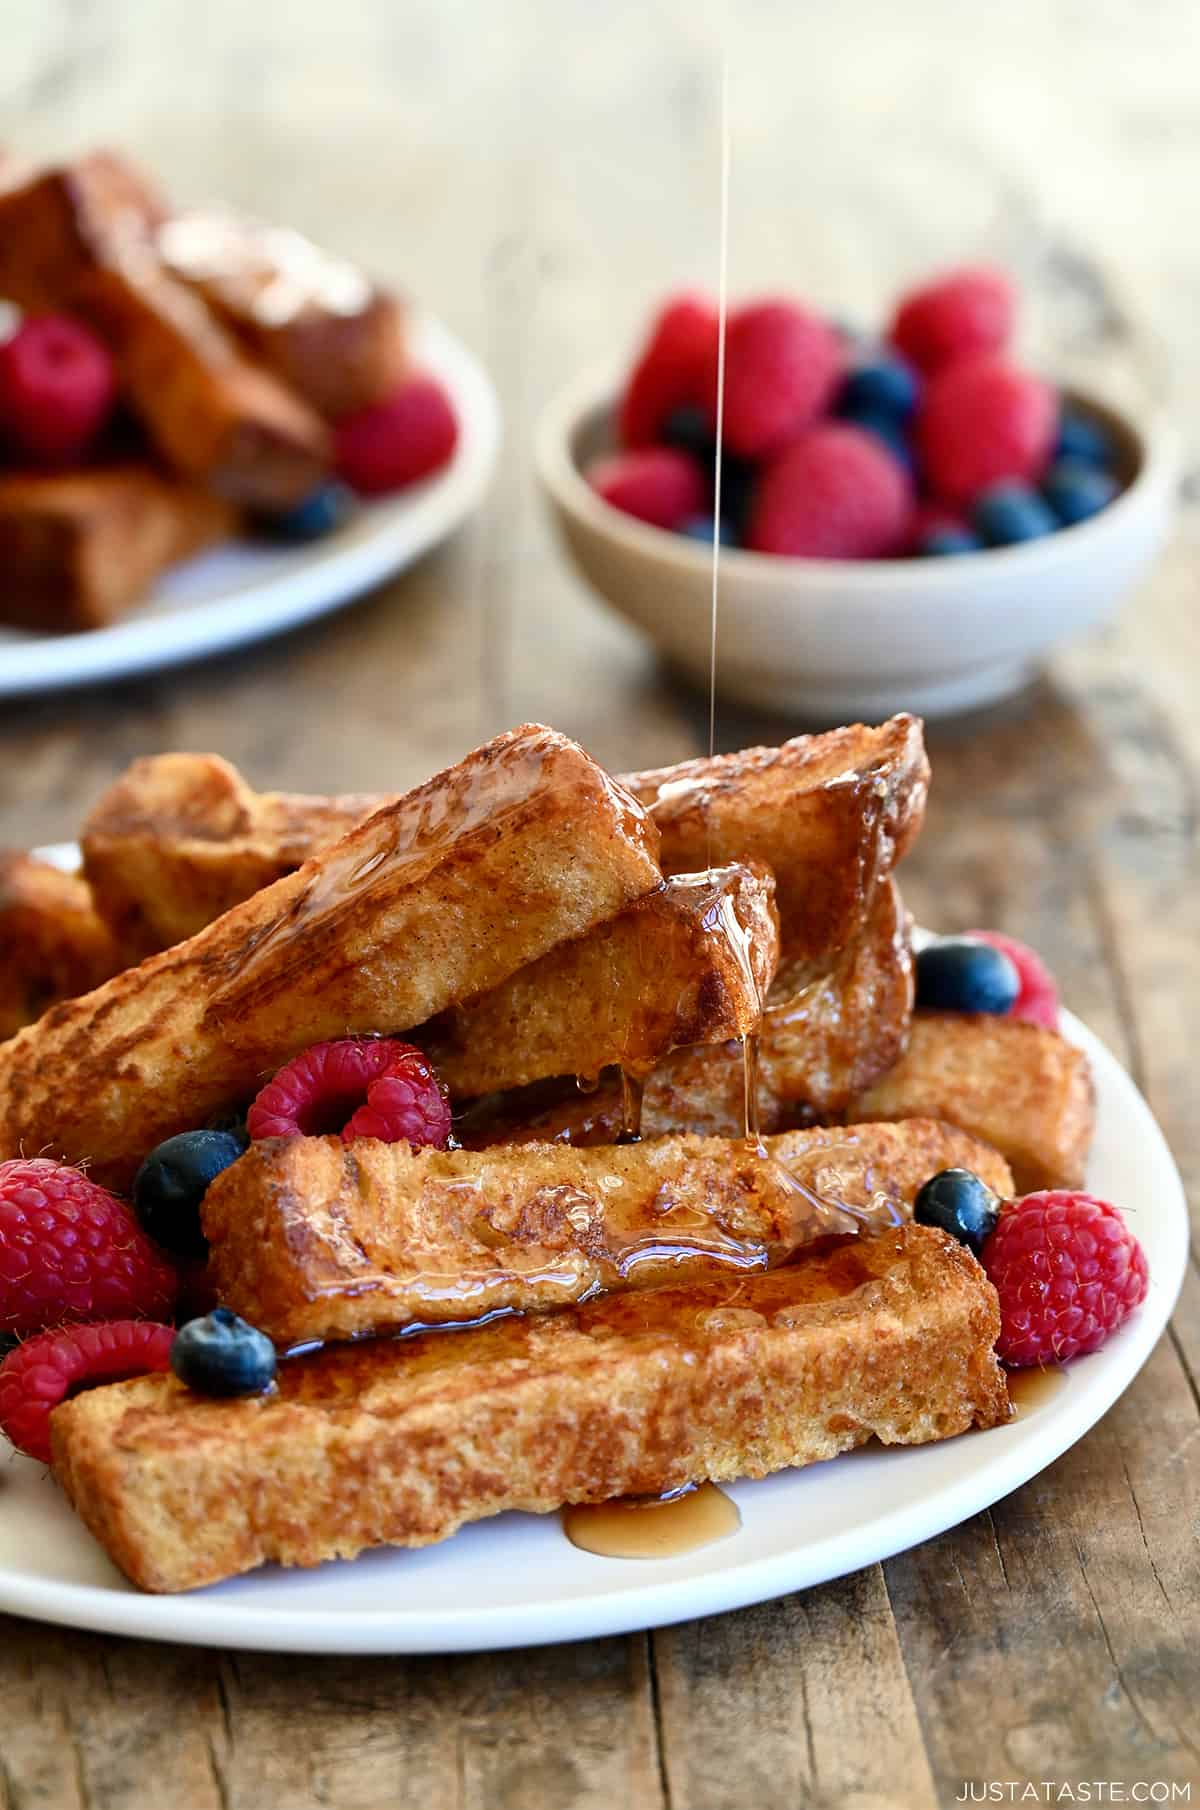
point(235, 345)
point(646, 1258)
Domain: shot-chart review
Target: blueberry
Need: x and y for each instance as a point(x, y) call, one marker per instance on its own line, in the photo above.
point(699, 527)
point(941, 542)
point(1083, 437)
point(887, 428)
point(955, 974)
point(172, 1182)
point(738, 479)
point(690, 429)
point(879, 383)
point(959, 1203)
point(321, 512)
point(1076, 490)
point(1012, 512)
point(223, 1355)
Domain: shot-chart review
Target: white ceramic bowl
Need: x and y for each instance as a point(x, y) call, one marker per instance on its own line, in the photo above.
point(830, 640)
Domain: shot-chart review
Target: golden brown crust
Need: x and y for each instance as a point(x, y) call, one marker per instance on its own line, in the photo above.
point(311, 1238)
point(689, 964)
point(53, 945)
point(1018, 1086)
point(401, 1442)
point(438, 896)
point(831, 814)
point(179, 839)
point(78, 549)
point(56, 223)
point(313, 319)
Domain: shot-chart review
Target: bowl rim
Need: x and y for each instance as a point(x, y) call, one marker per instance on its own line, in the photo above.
point(1154, 435)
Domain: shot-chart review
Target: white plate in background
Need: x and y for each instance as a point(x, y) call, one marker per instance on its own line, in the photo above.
point(517, 1580)
point(247, 590)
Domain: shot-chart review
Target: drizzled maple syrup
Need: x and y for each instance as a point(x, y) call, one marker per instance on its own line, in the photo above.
point(653, 1527)
point(1032, 1389)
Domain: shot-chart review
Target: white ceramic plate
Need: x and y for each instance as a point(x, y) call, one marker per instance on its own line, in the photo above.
point(245, 590)
point(516, 1580)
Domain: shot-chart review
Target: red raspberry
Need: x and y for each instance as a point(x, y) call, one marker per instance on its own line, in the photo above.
point(364, 1087)
point(981, 421)
point(1068, 1272)
point(408, 435)
point(956, 316)
point(1037, 1002)
point(44, 1371)
point(658, 485)
point(69, 1250)
point(57, 386)
point(836, 494)
point(782, 367)
point(670, 370)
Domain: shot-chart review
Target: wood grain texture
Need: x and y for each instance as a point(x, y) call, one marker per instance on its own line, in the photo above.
point(538, 174)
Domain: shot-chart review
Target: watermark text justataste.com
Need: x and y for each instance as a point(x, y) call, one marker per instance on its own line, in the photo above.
point(1074, 1791)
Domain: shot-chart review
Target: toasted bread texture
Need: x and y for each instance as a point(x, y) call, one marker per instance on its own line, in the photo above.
point(53, 944)
point(56, 223)
point(399, 1442)
point(1018, 1086)
point(689, 964)
point(830, 814)
point(179, 839)
point(311, 1238)
point(313, 319)
point(437, 897)
point(78, 549)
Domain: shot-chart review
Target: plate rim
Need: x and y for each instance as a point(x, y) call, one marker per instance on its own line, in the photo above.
point(201, 1619)
point(383, 539)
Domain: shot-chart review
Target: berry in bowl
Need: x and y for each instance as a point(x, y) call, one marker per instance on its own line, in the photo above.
point(906, 523)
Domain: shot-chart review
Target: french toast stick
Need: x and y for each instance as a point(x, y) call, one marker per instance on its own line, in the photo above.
point(689, 964)
point(435, 898)
point(830, 814)
point(400, 1442)
point(178, 839)
point(79, 548)
point(1021, 1087)
point(817, 1050)
point(53, 944)
point(55, 223)
point(310, 1238)
point(312, 318)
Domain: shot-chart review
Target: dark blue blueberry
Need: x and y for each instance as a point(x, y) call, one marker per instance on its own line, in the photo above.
point(174, 1179)
point(955, 974)
point(1007, 513)
point(959, 1203)
point(887, 428)
point(1076, 490)
point(699, 527)
point(941, 542)
point(321, 512)
point(223, 1355)
point(690, 429)
point(879, 383)
point(738, 478)
point(1083, 437)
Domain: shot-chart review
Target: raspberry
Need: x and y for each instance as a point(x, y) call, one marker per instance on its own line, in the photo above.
point(957, 316)
point(70, 1251)
point(408, 435)
point(783, 367)
point(57, 386)
point(658, 485)
point(1068, 1272)
point(835, 494)
point(363, 1087)
point(1037, 1002)
point(670, 371)
point(45, 1370)
point(982, 421)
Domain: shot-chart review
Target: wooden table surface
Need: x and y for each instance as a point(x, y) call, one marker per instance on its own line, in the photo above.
point(538, 173)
